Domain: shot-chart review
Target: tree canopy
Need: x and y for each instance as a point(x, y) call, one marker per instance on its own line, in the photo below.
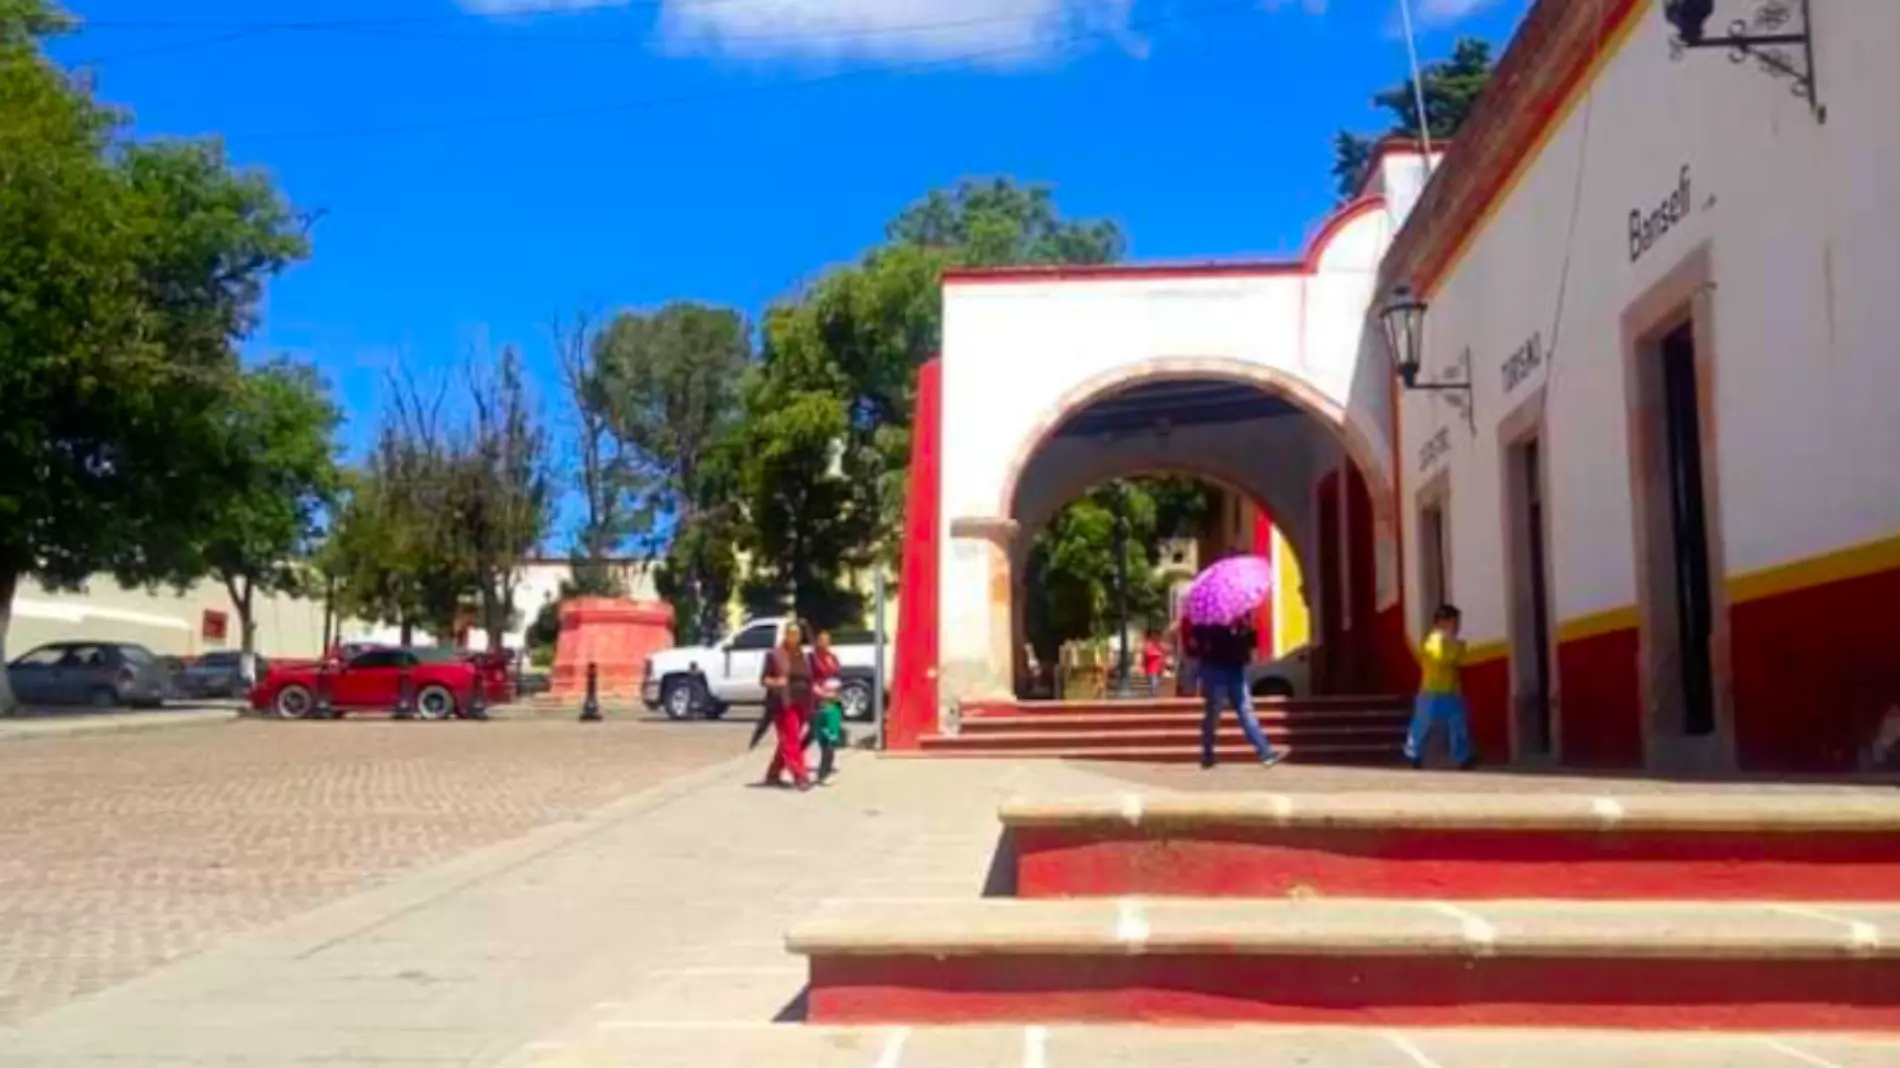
point(1452, 87)
point(128, 273)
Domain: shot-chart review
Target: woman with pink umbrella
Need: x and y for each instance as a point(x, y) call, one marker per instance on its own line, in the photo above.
point(1219, 606)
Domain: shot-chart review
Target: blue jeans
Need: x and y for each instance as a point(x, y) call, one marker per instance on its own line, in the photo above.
point(1429, 711)
point(1229, 684)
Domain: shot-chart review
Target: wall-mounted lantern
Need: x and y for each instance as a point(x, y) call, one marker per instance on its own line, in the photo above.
point(1403, 317)
point(1778, 37)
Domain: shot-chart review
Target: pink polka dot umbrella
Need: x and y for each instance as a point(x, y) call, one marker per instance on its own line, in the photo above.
point(1228, 590)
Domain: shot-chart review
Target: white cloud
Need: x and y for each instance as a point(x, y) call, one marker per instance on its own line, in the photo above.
point(1439, 12)
point(992, 32)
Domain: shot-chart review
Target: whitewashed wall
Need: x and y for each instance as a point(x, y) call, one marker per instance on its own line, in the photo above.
point(1802, 224)
point(1019, 355)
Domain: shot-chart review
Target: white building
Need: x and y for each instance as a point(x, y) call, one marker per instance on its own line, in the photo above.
point(1667, 502)
point(1674, 525)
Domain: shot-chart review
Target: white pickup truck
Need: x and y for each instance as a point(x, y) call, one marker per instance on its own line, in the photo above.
point(709, 679)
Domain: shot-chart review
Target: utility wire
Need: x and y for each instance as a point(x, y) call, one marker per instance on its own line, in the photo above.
point(736, 92)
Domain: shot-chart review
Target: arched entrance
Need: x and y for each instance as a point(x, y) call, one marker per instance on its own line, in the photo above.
point(1263, 375)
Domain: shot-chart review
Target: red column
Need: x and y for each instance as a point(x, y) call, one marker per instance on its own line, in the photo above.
point(1263, 547)
point(913, 711)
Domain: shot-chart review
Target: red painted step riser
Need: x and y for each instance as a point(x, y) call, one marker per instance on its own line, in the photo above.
point(1003, 728)
point(1137, 708)
point(1740, 995)
point(1187, 755)
point(1470, 865)
point(1125, 739)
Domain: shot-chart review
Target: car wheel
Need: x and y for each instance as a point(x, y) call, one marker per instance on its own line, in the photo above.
point(435, 702)
point(678, 697)
point(293, 702)
point(102, 697)
point(1273, 687)
point(854, 699)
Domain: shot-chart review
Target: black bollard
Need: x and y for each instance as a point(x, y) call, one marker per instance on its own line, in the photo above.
point(590, 708)
point(478, 700)
point(405, 696)
point(325, 708)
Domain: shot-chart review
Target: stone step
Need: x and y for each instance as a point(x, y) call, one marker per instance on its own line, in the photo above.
point(1184, 749)
point(1391, 739)
point(982, 707)
point(1270, 720)
point(746, 1045)
point(1691, 965)
point(1815, 845)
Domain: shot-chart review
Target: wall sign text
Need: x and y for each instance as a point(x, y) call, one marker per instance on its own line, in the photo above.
point(1649, 227)
point(1519, 365)
point(1434, 449)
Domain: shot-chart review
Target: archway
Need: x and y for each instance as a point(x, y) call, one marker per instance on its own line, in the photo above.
point(1161, 525)
point(1245, 428)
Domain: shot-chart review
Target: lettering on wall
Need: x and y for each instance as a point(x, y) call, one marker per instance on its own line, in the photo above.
point(1520, 364)
point(1646, 228)
point(1434, 449)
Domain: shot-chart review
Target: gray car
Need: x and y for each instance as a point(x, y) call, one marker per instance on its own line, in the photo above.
point(100, 674)
point(218, 674)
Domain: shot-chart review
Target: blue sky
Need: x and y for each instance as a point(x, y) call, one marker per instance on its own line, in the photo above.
point(487, 165)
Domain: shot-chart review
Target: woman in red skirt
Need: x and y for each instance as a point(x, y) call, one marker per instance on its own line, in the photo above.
point(788, 697)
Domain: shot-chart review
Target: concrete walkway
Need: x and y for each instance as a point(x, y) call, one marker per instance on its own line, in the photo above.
point(670, 906)
point(650, 933)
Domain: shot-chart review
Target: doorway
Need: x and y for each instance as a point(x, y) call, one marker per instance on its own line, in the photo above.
point(1688, 533)
point(1532, 682)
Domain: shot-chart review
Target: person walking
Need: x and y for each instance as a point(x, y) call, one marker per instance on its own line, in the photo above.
point(827, 725)
point(1154, 660)
point(1440, 697)
point(1224, 652)
point(788, 692)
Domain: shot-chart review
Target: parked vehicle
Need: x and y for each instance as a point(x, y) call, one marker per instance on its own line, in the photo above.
point(1288, 676)
point(710, 679)
point(498, 674)
point(101, 674)
point(215, 674)
point(442, 682)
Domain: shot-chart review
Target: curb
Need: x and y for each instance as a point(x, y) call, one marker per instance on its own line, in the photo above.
point(22, 730)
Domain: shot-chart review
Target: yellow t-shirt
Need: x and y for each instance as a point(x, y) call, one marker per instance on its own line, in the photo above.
point(1439, 657)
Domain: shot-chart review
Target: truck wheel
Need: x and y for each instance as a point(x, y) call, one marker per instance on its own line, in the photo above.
point(854, 699)
point(679, 696)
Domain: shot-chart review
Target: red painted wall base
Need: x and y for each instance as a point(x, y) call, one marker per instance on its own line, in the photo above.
point(1468, 865)
point(1670, 995)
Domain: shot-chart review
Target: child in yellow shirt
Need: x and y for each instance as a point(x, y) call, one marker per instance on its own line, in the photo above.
point(1440, 698)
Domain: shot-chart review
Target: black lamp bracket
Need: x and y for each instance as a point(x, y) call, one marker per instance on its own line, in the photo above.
point(1778, 38)
point(1454, 388)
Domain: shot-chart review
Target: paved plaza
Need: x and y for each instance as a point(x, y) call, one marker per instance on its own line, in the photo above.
point(120, 852)
point(538, 894)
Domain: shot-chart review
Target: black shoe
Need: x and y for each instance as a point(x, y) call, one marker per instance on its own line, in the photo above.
point(1207, 763)
point(1417, 763)
point(1470, 762)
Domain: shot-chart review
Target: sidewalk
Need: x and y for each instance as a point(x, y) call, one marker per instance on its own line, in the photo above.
point(67, 723)
point(669, 906)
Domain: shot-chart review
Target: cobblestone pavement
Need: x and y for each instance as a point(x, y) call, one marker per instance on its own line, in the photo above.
point(119, 853)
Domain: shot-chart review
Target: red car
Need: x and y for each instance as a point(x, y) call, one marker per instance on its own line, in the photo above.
point(443, 684)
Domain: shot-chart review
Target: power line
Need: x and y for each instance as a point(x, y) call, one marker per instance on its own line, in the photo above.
point(736, 92)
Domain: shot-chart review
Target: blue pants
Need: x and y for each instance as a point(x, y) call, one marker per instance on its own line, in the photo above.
point(1429, 711)
point(1228, 684)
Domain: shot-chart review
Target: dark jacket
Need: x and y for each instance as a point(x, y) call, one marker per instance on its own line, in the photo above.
point(1225, 648)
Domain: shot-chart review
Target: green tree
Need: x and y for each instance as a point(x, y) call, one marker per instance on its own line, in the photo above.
point(671, 386)
point(127, 274)
point(600, 466)
point(1071, 578)
point(841, 358)
point(273, 475)
point(1452, 88)
point(503, 488)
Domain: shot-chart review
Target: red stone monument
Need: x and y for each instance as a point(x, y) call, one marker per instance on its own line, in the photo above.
point(615, 635)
